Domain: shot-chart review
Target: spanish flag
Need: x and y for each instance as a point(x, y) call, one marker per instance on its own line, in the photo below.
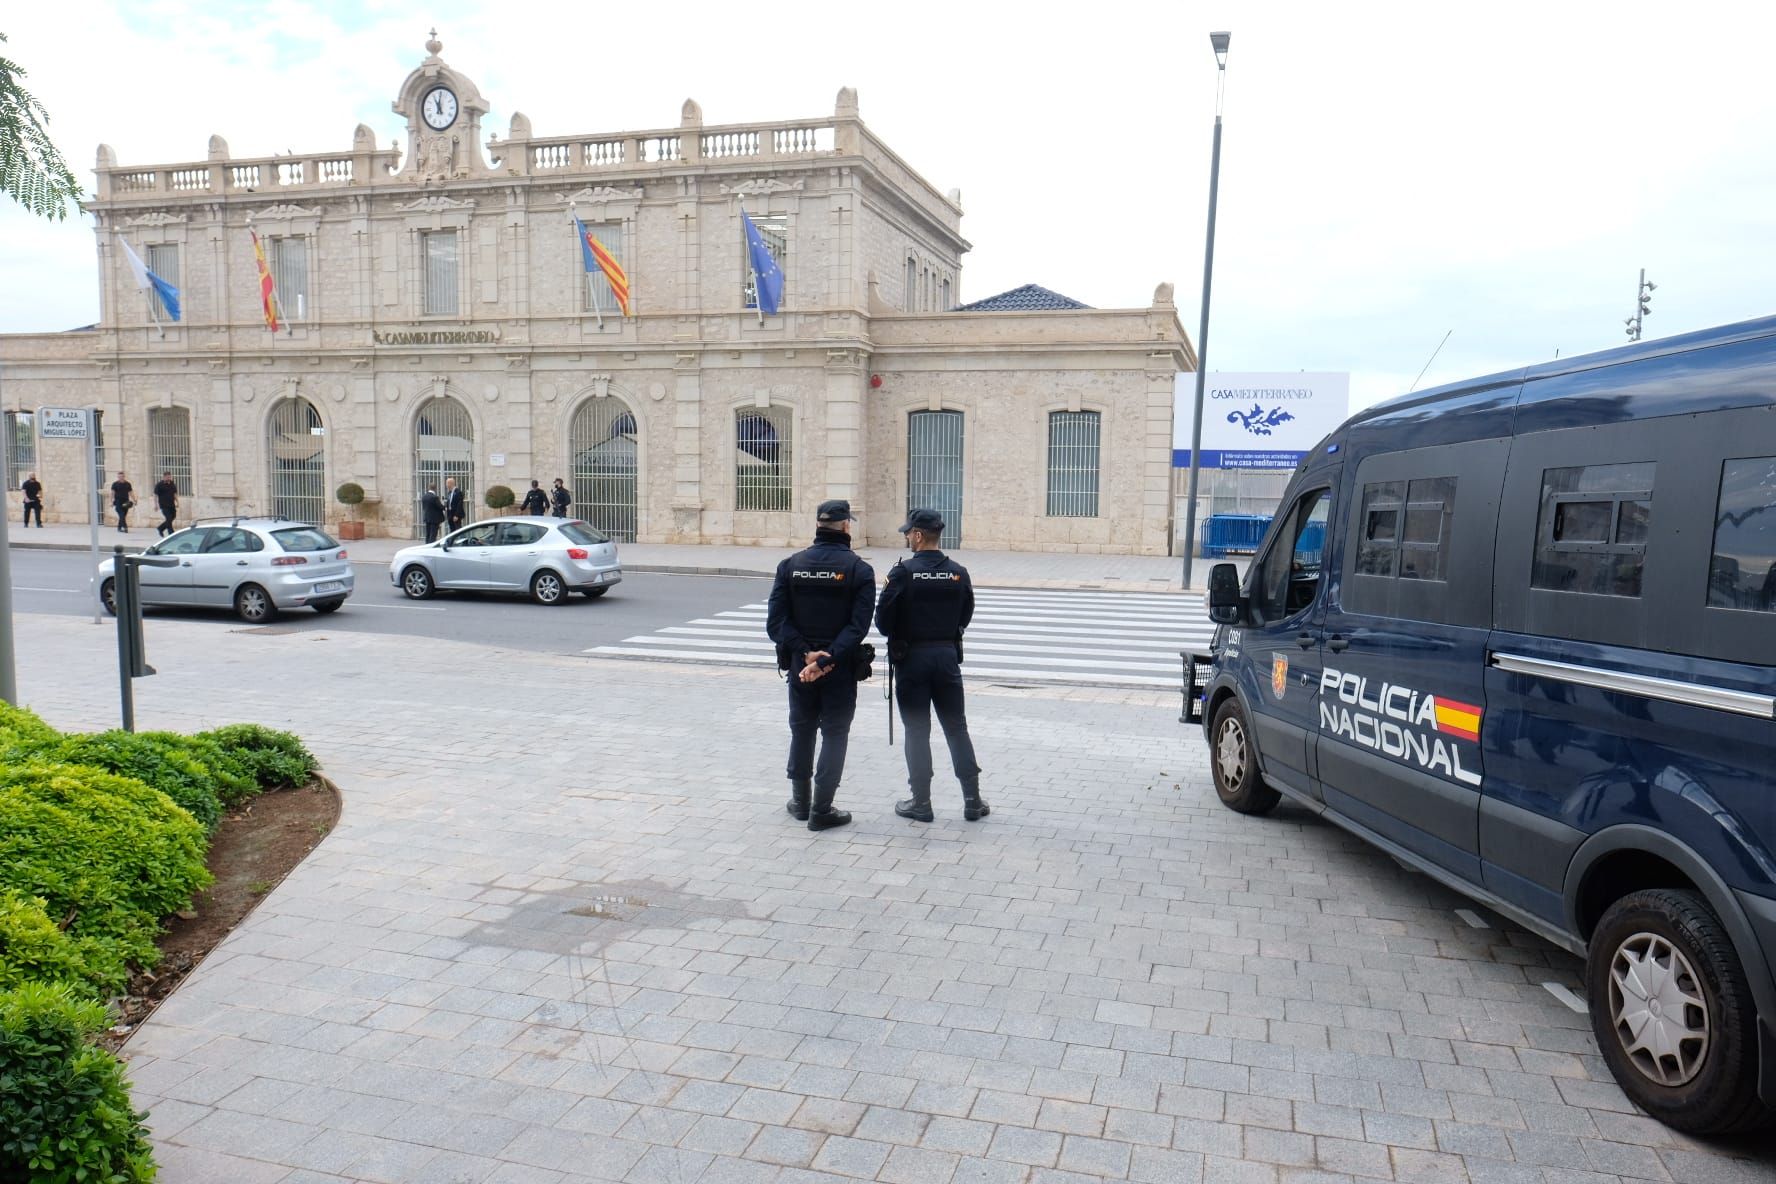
point(267, 289)
point(595, 257)
point(1457, 718)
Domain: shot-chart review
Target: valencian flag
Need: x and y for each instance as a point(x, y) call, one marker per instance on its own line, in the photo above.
point(267, 289)
point(165, 295)
point(596, 258)
point(765, 271)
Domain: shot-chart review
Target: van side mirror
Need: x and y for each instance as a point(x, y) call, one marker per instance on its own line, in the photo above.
point(1226, 605)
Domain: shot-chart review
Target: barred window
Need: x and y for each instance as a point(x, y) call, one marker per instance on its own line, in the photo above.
point(593, 284)
point(774, 229)
point(21, 445)
point(1073, 464)
point(163, 261)
point(169, 445)
point(439, 249)
point(762, 474)
point(289, 271)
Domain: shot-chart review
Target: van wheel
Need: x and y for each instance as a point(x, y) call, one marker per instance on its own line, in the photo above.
point(1673, 1013)
point(1234, 762)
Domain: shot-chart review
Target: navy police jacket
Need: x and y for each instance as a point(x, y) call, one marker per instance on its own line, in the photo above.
point(821, 599)
point(928, 598)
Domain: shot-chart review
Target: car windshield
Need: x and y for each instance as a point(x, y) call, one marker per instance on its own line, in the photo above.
point(579, 532)
point(304, 538)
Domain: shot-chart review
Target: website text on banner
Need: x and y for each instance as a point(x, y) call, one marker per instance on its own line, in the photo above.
point(1258, 421)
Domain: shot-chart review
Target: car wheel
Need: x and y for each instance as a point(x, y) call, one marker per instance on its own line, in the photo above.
point(593, 593)
point(108, 594)
point(1673, 1014)
point(546, 588)
point(253, 604)
point(328, 606)
point(1233, 762)
point(416, 582)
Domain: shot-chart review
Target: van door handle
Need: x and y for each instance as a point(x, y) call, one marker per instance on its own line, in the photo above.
point(1306, 640)
point(1337, 644)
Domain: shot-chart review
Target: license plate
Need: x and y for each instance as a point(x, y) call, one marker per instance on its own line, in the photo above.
point(333, 586)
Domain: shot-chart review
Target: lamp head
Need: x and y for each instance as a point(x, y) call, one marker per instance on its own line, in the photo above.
point(1219, 42)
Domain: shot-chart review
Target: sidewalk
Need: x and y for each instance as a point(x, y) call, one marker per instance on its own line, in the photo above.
point(991, 569)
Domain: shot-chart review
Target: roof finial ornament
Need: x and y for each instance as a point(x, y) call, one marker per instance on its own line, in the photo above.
point(433, 46)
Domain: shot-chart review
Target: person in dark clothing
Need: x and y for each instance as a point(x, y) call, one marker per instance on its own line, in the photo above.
point(166, 496)
point(33, 491)
point(123, 501)
point(927, 603)
point(818, 614)
point(456, 510)
point(559, 499)
point(535, 500)
point(431, 512)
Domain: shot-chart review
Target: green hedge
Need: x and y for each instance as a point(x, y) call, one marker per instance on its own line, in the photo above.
point(65, 1110)
point(33, 947)
point(276, 760)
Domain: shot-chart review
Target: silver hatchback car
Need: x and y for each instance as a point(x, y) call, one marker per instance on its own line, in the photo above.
point(256, 566)
point(546, 557)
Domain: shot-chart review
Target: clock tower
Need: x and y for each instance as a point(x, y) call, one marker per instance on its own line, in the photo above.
point(443, 110)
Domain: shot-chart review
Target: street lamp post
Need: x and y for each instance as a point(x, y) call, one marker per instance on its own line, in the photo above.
point(1219, 41)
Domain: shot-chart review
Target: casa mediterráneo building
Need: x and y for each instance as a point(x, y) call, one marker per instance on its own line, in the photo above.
point(437, 319)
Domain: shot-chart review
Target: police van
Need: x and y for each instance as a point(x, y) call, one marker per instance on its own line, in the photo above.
point(1520, 633)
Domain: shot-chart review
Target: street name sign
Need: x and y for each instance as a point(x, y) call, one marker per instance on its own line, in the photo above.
point(62, 423)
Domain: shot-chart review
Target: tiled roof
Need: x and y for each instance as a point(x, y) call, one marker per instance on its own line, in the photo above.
point(1029, 298)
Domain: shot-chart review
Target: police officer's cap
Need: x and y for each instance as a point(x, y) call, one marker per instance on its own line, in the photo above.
point(837, 510)
point(929, 521)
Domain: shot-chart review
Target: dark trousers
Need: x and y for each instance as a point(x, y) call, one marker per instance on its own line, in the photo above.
point(931, 677)
point(431, 532)
point(825, 707)
point(34, 508)
point(122, 516)
point(166, 520)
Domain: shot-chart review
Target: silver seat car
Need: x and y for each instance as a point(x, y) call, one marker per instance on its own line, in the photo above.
point(256, 566)
point(545, 557)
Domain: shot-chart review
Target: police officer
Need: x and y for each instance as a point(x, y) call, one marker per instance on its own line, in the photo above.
point(924, 609)
point(818, 614)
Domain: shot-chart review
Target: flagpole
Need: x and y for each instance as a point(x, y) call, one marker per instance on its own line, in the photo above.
point(758, 294)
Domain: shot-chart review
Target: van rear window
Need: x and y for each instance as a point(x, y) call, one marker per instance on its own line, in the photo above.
point(1742, 572)
point(1592, 531)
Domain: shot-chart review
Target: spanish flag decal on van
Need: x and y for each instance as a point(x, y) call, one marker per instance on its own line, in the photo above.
point(1458, 719)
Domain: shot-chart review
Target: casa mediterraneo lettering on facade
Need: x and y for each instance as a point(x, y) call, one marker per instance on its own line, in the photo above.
point(434, 337)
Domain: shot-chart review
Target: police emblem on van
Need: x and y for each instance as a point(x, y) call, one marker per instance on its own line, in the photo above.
point(1279, 674)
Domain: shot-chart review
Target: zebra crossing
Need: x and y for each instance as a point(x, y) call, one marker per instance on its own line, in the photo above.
point(1079, 638)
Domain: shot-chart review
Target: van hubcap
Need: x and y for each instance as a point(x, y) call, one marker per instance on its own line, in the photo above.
point(1230, 753)
point(1658, 1009)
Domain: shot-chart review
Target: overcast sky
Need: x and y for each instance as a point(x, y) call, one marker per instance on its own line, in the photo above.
point(1389, 172)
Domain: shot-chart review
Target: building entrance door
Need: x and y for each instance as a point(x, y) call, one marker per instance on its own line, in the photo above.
point(934, 469)
point(297, 446)
point(443, 446)
point(604, 453)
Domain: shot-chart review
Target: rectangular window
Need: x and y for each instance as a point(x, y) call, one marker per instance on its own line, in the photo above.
point(21, 446)
point(1742, 572)
point(169, 445)
point(594, 284)
point(1378, 550)
point(1405, 528)
point(289, 271)
point(163, 261)
point(1591, 533)
point(439, 250)
point(1073, 464)
point(762, 458)
point(774, 229)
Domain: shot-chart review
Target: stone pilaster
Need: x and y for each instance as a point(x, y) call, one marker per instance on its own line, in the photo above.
point(843, 447)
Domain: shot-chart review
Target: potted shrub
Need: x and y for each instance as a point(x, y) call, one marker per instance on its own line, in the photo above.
point(350, 495)
point(500, 497)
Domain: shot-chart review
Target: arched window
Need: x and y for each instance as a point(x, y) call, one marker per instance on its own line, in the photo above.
point(296, 450)
point(443, 446)
point(604, 464)
point(909, 295)
point(169, 445)
point(1073, 464)
point(762, 473)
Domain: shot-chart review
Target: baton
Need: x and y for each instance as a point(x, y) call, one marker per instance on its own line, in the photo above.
point(888, 694)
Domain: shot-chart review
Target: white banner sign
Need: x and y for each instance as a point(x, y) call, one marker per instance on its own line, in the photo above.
point(62, 423)
point(1258, 421)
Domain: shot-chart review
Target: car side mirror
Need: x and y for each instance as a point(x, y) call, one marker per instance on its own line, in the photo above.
point(1226, 604)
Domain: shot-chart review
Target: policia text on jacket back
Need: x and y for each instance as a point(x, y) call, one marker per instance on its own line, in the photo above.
point(926, 605)
point(818, 615)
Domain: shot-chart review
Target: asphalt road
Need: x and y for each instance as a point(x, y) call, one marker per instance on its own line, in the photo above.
point(57, 582)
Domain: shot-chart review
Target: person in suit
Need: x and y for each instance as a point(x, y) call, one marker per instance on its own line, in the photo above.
point(431, 512)
point(560, 499)
point(166, 496)
point(456, 510)
point(33, 491)
point(535, 500)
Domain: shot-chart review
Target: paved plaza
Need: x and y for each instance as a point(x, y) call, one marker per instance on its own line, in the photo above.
point(564, 931)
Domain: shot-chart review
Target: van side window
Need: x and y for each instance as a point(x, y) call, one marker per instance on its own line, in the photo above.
point(1742, 572)
point(1591, 533)
point(1290, 578)
point(1405, 528)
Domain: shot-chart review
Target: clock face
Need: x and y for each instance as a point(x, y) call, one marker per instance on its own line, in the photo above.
point(438, 108)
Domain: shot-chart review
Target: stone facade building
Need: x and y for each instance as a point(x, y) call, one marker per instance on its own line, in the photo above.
point(439, 322)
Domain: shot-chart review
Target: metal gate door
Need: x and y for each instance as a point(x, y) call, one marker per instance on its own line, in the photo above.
point(603, 456)
point(934, 468)
point(443, 446)
point(297, 447)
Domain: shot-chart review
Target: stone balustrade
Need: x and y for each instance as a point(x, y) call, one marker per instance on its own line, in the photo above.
point(262, 174)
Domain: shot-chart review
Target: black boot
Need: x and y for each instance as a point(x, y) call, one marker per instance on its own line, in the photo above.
point(917, 807)
point(974, 807)
point(822, 816)
point(799, 791)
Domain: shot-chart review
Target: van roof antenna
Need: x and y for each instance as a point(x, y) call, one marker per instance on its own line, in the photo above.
point(1428, 361)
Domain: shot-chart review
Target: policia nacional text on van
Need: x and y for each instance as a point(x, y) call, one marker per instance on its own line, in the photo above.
point(1521, 634)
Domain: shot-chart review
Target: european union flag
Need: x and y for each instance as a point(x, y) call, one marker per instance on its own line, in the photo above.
point(765, 271)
